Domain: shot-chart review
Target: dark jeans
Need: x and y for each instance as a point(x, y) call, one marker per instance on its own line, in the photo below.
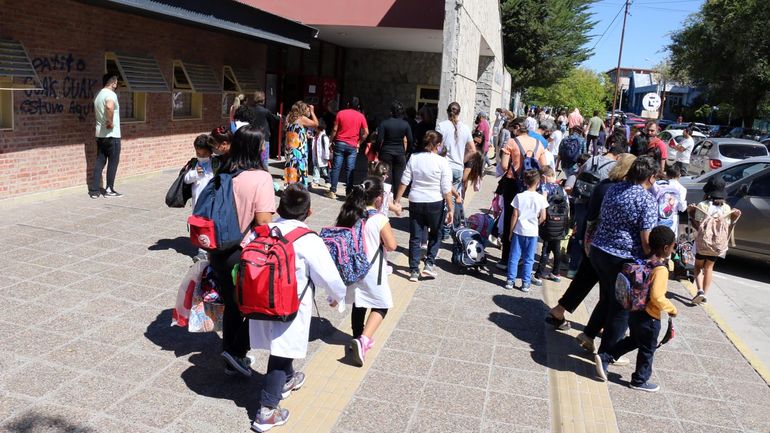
point(576, 251)
point(508, 194)
point(107, 152)
point(552, 246)
point(397, 162)
point(344, 155)
point(358, 318)
point(584, 281)
point(682, 166)
point(279, 371)
point(424, 216)
point(235, 330)
point(612, 316)
point(644, 330)
point(592, 142)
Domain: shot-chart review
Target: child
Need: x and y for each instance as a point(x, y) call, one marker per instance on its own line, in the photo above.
point(373, 291)
point(528, 213)
point(380, 170)
point(551, 243)
point(675, 203)
point(321, 154)
point(287, 341)
point(713, 206)
point(644, 325)
point(473, 172)
point(200, 175)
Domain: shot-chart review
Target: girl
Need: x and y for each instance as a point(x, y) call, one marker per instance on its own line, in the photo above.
point(473, 172)
point(219, 140)
point(373, 291)
point(321, 154)
point(301, 117)
point(380, 170)
point(713, 206)
point(237, 102)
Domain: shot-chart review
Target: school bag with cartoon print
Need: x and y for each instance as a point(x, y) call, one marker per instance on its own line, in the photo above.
point(632, 285)
point(348, 250)
point(668, 199)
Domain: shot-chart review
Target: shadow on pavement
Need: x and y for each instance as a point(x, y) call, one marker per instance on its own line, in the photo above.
point(179, 244)
point(34, 422)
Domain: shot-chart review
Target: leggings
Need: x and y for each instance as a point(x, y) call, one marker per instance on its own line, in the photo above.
point(279, 371)
point(358, 316)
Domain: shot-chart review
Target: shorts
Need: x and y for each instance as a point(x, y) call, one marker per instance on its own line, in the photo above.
point(707, 258)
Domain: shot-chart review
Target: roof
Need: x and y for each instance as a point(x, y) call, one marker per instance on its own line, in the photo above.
point(224, 15)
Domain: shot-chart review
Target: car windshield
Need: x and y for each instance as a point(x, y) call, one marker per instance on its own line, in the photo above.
point(741, 151)
point(737, 172)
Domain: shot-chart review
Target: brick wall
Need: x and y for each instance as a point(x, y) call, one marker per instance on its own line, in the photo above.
point(52, 144)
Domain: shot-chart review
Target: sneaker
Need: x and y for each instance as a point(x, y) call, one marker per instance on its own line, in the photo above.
point(429, 271)
point(424, 246)
point(699, 297)
point(525, 287)
point(586, 342)
point(509, 285)
point(536, 281)
point(571, 274)
point(94, 195)
point(602, 367)
point(112, 193)
point(268, 418)
point(502, 266)
point(331, 194)
point(561, 325)
point(646, 386)
point(240, 365)
point(295, 383)
point(620, 362)
point(200, 256)
point(414, 276)
point(554, 278)
point(358, 347)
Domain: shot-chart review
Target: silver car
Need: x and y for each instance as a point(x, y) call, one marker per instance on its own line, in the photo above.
point(714, 153)
point(748, 189)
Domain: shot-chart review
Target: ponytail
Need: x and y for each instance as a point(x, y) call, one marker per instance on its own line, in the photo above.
point(453, 113)
point(360, 197)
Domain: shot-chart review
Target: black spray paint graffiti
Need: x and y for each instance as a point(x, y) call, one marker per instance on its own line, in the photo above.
point(58, 95)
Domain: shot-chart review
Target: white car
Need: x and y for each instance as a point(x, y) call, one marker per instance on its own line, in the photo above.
point(674, 136)
point(714, 153)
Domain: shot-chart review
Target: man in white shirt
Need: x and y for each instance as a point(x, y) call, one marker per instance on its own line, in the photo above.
point(683, 151)
point(107, 113)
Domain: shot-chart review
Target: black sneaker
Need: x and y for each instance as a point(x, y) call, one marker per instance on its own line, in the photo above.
point(94, 195)
point(112, 193)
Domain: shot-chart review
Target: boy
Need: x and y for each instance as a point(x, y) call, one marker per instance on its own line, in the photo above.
point(552, 239)
point(200, 175)
point(669, 213)
point(644, 325)
point(287, 341)
point(528, 213)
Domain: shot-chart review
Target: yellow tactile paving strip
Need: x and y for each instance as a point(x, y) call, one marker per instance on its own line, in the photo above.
point(579, 402)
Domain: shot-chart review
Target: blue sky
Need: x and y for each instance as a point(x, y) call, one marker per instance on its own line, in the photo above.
point(647, 31)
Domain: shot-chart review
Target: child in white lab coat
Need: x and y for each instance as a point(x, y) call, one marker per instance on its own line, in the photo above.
point(288, 341)
point(200, 175)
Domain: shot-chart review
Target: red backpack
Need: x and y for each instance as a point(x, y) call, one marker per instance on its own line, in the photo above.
point(266, 282)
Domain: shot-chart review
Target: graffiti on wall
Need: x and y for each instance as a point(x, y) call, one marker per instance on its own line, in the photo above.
point(66, 88)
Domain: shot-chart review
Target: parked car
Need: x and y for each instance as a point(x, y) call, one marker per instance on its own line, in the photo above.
point(714, 153)
point(747, 133)
point(674, 136)
point(716, 131)
point(699, 127)
point(748, 189)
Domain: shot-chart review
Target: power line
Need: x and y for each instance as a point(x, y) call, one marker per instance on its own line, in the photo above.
point(608, 27)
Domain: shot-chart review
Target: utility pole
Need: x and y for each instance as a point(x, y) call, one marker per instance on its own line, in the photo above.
point(620, 56)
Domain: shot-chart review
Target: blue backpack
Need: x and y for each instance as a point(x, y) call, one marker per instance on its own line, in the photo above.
point(569, 151)
point(348, 250)
point(528, 162)
point(214, 223)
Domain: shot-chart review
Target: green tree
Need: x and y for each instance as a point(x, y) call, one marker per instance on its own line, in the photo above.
point(581, 88)
point(725, 48)
point(544, 40)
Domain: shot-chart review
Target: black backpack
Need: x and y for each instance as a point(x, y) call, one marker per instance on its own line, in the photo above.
point(587, 180)
point(556, 221)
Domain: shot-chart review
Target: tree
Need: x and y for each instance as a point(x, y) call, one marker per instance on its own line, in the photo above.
point(544, 40)
point(725, 48)
point(582, 88)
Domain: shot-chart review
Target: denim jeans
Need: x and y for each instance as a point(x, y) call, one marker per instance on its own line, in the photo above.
point(457, 180)
point(319, 172)
point(265, 156)
point(608, 310)
point(279, 371)
point(344, 154)
point(424, 217)
point(522, 247)
point(107, 152)
point(644, 330)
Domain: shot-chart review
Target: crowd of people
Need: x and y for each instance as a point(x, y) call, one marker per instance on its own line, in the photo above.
point(560, 179)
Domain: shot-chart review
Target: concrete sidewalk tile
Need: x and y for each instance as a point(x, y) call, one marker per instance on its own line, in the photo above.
point(459, 373)
point(737, 369)
point(449, 398)
point(152, 407)
point(380, 386)
point(513, 409)
point(133, 365)
point(434, 326)
point(519, 382)
point(370, 415)
point(519, 358)
point(12, 405)
point(499, 427)
point(685, 383)
point(756, 392)
point(696, 409)
point(428, 309)
point(32, 342)
point(466, 350)
point(644, 423)
point(690, 427)
point(59, 278)
point(37, 379)
point(414, 342)
point(753, 417)
point(631, 400)
point(48, 417)
point(79, 354)
point(723, 349)
point(678, 361)
point(105, 424)
point(92, 391)
point(425, 421)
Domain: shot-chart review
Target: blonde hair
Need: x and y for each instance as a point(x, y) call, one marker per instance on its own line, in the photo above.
point(297, 111)
point(238, 101)
point(621, 167)
point(547, 170)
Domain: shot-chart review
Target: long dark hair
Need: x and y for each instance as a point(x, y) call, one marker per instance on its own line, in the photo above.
point(360, 197)
point(246, 149)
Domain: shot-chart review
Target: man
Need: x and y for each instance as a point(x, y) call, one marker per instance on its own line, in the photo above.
point(595, 126)
point(531, 122)
point(651, 128)
point(684, 150)
point(348, 134)
point(574, 119)
point(107, 113)
point(262, 120)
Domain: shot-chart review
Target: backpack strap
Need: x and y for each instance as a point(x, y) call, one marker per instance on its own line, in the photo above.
point(293, 235)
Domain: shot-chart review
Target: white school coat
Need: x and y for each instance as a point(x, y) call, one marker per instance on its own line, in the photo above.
point(311, 259)
point(367, 293)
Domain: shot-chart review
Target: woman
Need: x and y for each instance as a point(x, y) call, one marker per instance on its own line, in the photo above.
point(394, 137)
point(585, 279)
point(237, 102)
point(255, 205)
point(219, 140)
point(427, 123)
point(628, 214)
point(301, 117)
point(431, 180)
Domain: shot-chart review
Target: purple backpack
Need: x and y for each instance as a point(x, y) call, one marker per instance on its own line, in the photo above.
point(632, 286)
point(348, 250)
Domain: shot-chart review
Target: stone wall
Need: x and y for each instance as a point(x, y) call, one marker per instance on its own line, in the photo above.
point(380, 76)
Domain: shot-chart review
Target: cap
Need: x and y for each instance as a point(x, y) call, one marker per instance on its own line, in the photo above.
point(715, 188)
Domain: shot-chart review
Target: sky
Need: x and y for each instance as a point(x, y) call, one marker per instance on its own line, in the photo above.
point(649, 25)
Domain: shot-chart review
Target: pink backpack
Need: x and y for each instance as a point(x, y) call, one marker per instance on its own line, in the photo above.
point(632, 286)
point(714, 235)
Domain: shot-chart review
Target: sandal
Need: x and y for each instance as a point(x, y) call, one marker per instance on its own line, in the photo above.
point(561, 325)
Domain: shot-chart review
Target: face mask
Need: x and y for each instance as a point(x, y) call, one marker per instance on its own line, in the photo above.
point(216, 152)
point(204, 160)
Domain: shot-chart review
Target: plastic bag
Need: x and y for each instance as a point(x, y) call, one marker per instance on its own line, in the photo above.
point(205, 316)
point(184, 298)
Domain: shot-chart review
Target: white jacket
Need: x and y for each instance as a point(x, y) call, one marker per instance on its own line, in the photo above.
point(198, 181)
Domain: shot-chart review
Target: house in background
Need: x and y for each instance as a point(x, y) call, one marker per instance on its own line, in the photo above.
point(625, 82)
point(675, 95)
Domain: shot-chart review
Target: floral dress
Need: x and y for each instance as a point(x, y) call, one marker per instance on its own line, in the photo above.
point(296, 153)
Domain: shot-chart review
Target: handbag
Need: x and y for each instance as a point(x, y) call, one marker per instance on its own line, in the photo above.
point(180, 192)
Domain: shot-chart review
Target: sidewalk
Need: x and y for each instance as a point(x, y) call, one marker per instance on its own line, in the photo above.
point(87, 345)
